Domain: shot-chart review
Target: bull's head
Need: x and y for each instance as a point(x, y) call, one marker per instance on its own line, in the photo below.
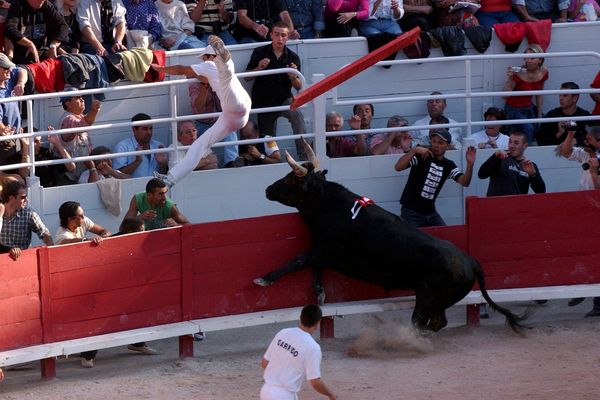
point(291, 189)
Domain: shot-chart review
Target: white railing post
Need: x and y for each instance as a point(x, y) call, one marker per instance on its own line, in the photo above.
point(468, 88)
point(31, 138)
point(173, 96)
point(319, 106)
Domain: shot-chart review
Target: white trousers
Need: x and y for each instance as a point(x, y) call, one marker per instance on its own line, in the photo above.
point(235, 103)
point(269, 392)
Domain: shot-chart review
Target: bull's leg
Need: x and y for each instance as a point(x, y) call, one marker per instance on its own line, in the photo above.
point(296, 264)
point(437, 321)
point(420, 315)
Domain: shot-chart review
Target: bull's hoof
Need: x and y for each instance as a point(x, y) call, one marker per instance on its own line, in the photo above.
point(262, 282)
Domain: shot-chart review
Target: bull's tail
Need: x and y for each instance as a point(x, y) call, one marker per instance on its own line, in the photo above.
point(514, 321)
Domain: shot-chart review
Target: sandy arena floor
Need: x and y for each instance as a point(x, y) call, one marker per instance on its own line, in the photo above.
point(372, 357)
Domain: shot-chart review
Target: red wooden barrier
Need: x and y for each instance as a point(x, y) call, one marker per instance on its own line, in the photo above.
point(206, 270)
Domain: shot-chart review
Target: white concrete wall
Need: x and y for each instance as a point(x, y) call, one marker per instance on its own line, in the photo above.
point(237, 193)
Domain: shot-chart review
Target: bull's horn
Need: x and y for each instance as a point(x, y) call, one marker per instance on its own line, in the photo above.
point(299, 170)
point(310, 154)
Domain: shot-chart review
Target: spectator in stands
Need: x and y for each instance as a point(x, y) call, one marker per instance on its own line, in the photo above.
point(342, 16)
point(68, 9)
point(392, 142)
point(588, 178)
point(417, 13)
point(530, 76)
point(36, 29)
point(130, 225)
point(510, 172)
point(502, 11)
point(491, 136)
point(257, 18)
point(154, 207)
point(102, 25)
point(258, 153)
point(74, 225)
point(12, 83)
point(596, 97)
point(143, 23)
point(307, 16)
point(383, 18)
point(186, 135)
point(50, 175)
point(436, 108)
point(276, 90)
point(101, 169)
point(344, 146)
point(554, 133)
point(547, 9)
point(429, 170)
point(141, 165)
point(19, 221)
point(77, 144)
point(212, 18)
point(583, 10)
point(177, 27)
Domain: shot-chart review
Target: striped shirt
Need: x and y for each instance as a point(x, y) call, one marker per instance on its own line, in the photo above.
point(210, 14)
point(16, 231)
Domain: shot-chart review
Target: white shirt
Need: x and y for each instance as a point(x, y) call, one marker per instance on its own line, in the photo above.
point(482, 137)
point(422, 136)
point(585, 178)
point(88, 14)
point(293, 356)
point(65, 233)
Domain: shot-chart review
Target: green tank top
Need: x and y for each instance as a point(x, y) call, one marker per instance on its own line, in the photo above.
point(162, 212)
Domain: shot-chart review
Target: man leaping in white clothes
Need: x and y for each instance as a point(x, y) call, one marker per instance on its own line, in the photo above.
point(218, 71)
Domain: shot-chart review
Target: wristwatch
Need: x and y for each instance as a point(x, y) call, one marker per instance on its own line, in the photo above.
point(262, 157)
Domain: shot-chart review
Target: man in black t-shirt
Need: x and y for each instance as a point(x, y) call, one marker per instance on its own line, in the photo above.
point(257, 17)
point(429, 169)
point(554, 133)
point(276, 90)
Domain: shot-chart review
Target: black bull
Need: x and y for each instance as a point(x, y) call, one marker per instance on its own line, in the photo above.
point(377, 247)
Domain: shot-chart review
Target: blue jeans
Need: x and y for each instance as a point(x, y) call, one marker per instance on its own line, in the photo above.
point(375, 26)
point(521, 113)
point(497, 17)
point(225, 36)
point(190, 42)
point(307, 32)
point(418, 220)
point(230, 153)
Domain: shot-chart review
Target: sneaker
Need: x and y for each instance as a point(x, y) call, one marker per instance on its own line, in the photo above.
point(145, 349)
point(483, 311)
point(87, 363)
point(219, 48)
point(262, 282)
point(575, 301)
point(163, 178)
point(199, 336)
point(594, 313)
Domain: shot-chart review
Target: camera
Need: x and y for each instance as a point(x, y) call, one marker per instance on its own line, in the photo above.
point(571, 126)
point(585, 166)
point(216, 27)
point(516, 70)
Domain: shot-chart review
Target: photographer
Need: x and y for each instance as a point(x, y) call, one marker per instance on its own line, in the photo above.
point(553, 133)
point(588, 178)
point(212, 17)
point(256, 18)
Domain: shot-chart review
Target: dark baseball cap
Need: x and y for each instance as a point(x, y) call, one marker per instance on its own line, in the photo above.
point(443, 133)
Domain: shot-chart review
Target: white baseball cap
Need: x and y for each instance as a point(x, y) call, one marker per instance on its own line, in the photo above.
point(207, 50)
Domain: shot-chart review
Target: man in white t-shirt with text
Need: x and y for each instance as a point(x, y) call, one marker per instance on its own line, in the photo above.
point(292, 357)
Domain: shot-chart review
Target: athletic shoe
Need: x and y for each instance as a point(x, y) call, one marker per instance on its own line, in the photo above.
point(163, 178)
point(199, 336)
point(262, 282)
point(575, 301)
point(219, 48)
point(87, 363)
point(483, 311)
point(145, 349)
point(594, 313)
